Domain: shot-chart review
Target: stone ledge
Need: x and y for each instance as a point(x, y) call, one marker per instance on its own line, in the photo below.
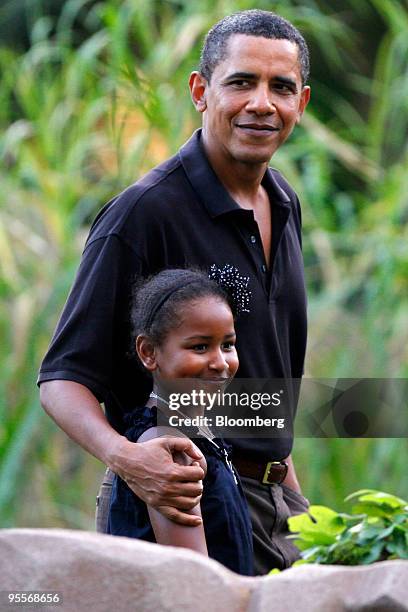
point(101, 573)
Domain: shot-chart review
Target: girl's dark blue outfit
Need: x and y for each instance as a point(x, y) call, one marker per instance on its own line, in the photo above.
point(227, 525)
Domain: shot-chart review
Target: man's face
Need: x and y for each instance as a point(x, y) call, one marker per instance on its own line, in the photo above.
point(253, 101)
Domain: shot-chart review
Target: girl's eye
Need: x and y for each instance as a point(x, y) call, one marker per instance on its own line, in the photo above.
point(199, 348)
point(228, 346)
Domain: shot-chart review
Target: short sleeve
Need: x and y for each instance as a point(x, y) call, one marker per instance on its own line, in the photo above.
point(93, 333)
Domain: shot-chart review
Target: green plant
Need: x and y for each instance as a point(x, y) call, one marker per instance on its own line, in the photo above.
point(376, 530)
point(96, 97)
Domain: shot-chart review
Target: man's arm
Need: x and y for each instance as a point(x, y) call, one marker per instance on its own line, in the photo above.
point(148, 467)
point(291, 478)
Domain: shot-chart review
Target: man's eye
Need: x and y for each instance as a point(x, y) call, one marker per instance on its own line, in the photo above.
point(284, 89)
point(240, 83)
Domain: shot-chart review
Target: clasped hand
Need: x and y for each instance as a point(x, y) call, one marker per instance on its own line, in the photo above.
point(156, 471)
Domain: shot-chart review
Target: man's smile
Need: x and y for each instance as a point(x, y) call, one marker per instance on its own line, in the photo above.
point(257, 129)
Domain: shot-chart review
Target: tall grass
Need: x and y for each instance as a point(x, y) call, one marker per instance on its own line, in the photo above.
point(81, 120)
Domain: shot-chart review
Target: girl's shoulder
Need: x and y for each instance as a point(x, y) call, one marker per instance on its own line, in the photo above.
point(162, 431)
point(141, 425)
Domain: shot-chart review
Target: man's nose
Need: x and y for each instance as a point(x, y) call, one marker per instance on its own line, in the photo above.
point(261, 101)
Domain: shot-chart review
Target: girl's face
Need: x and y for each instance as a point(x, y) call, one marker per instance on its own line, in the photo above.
point(201, 346)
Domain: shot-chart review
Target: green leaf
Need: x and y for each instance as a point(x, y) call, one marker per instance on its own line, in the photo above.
point(372, 510)
point(398, 546)
point(378, 531)
point(373, 554)
point(346, 552)
point(401, 519)
point(299, 562)
point(304, 543)
point(310, 553)
point(371, 531)
point(378, 497)
point(320, 525)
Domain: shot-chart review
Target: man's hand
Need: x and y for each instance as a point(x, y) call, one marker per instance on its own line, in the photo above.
point(150, 470)
point(148, 467)
point(291, 480)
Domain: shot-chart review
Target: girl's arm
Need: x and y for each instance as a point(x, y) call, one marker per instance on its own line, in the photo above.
point(166, 531)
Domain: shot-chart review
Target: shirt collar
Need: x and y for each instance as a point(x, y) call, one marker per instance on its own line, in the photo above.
point(209, 188)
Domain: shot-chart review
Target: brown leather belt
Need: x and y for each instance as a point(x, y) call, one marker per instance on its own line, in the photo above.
point(273, 472)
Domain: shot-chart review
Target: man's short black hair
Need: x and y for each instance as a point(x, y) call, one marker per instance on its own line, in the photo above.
point(252, 23)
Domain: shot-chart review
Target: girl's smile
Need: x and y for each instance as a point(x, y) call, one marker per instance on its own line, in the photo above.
point(201, 346)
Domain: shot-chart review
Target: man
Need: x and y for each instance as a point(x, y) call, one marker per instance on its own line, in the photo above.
point(215, 202)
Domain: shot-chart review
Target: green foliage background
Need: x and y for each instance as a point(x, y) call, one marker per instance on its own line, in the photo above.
point(92, 95)
point(375, 530)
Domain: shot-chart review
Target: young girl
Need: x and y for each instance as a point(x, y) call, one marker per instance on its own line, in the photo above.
point(184, 328)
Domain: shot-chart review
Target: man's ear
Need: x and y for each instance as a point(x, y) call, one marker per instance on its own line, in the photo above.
point(146, 352)
point(198, 85)
point(304, 101)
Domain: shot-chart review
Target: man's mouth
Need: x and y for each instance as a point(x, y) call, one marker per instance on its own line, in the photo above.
point(258, 129)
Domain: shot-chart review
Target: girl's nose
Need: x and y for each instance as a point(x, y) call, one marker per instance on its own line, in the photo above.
point(218, 361)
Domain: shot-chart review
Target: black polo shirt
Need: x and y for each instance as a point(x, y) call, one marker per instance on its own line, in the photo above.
point(180, 214)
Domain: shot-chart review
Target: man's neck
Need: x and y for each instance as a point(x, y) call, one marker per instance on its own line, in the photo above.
point(241, 180)
point(243, 183)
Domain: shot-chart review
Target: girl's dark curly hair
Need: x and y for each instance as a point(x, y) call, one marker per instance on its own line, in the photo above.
point(156, 301)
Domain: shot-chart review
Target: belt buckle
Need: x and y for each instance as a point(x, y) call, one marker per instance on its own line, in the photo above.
point(265, 479)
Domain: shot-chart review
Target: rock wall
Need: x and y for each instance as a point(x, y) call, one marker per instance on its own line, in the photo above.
point(101, 573)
